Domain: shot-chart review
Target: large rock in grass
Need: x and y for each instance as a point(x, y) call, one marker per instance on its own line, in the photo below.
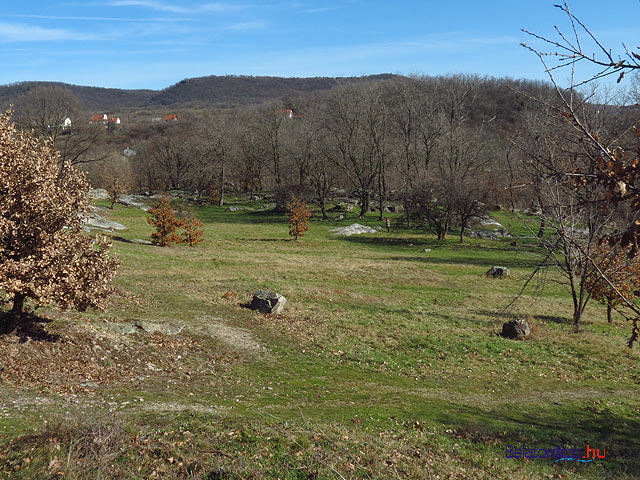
point(95, 220)
point(132, 201)
point(268, 302)
point(516, 329)
point(498, 272)
point(99, 194)
point(355, 229)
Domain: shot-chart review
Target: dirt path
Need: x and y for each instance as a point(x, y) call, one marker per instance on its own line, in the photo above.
point(240, 339)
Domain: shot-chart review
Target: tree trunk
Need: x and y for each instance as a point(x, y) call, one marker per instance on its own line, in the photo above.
point(407, 214)
point(609, 311)
point(462, 227)
point(323, 209)
point(221, 201)
point(577, 315)
point(364, 204)
point(541, 229)
point(15, 315)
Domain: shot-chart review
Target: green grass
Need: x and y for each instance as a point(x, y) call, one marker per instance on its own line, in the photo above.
point(385, 364)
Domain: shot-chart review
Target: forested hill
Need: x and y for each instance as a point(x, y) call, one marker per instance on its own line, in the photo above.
point(212, 90)
point(245, 90)
point(92, 98)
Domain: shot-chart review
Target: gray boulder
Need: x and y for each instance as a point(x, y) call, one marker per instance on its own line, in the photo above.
point(268, 302)
point(234, 209)
point(99, 194)
point(490, 235)
point(498, 272)
point(166, 328)
point(132, 201)
point(355, 229)
point(94, 220)
point(516, 329)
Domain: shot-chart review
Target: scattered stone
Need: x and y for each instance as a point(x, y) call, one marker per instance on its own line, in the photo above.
point(96, 221)
point(498, 272)
point(148, 327)
point(268, 302)
point(121, 328)
point(130, 201)
point(99, 194)
point(355, 229)
point(427, 250)
point(178, 194)
point(488, 222)
point(489, 235)
point(134, 201)
point(516, 329)
point(102, 211)
point(342, 207)
point(234, 209)
point(339, 217)
point(394, 208)
point(166, 328)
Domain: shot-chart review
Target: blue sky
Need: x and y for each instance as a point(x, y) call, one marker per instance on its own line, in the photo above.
point(156, 43)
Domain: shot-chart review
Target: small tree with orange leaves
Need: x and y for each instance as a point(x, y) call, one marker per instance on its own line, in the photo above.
point(193, 231)
point(165, 222)
point(299, 215)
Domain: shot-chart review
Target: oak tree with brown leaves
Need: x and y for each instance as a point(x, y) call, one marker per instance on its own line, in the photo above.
point(43, 254)
point(164, 220)
point(299, 215)
point(193, 231)
point(617, 276)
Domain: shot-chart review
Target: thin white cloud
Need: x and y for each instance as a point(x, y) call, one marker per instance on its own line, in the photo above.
point(151, 4)
point(319, 10)
point(15, 32)
point(214, 7)
point(98, 19)
point(221, 7)
point(244, 26)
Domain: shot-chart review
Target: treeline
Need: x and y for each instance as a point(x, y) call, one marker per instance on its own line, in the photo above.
point(227, 90)
point(442, 149)
point(439, 147)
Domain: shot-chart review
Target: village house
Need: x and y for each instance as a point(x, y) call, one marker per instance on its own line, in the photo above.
point(105, 119)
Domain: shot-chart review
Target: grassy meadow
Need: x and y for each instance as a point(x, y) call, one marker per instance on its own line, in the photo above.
point(386, 363)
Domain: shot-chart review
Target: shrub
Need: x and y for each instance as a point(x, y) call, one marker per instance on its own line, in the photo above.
point(299, 215)
point(193, 231)
point(164, 220)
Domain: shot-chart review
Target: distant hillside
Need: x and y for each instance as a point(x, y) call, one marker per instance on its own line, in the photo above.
point(93, 98)
point(244, 90)
point(212, 90)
